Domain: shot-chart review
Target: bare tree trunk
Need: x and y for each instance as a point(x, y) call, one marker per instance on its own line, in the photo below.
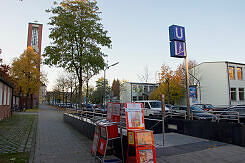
point(71, 96)
point(31, 101)
point(87, 94)
point(80, 94)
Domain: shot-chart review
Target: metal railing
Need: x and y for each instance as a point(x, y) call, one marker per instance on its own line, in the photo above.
point(220, 115)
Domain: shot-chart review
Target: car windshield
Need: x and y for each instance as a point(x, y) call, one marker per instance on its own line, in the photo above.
point(155, 104)
point(196, 108)
point(209, 106)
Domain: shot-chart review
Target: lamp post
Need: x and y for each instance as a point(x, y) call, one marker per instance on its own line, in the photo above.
point(107, 67)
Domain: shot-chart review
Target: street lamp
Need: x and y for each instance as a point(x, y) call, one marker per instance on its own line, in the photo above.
point(107, 67)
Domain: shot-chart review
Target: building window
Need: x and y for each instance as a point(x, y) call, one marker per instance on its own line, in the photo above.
point(134, 88)
point(145, 89)
point(9, 93)
point(1, 93)
point(134, 98)
point(5, 95)
point(232, 73)
point(239, 73)
point(151, 88)
point(140, 97)
point(140, 89)
point(241, 94)
point(233, 94)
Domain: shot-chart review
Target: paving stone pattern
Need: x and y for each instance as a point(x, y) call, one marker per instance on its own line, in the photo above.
point(16, 133)
point(58, 141)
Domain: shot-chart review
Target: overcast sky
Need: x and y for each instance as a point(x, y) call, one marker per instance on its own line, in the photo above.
point(215, 31)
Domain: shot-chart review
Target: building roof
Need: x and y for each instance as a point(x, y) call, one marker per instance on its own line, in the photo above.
point(227, 62)
point(143, 83)
point(6, 80)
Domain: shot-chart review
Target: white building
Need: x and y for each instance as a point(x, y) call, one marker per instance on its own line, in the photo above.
point(42, 93)
point(130, 91)
point(219, 83)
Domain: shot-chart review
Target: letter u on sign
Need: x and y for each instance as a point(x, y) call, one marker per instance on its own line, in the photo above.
point(176, 33)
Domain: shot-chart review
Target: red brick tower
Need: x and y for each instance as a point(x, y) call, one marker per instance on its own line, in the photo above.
point(34, 40)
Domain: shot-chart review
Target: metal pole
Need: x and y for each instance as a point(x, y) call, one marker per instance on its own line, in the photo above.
point(104, 89)
point(163, 117)
point(168, 91)
point(187, 89)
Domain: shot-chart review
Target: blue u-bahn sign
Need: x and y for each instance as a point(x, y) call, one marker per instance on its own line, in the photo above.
point(177, 49)
point(177, 44)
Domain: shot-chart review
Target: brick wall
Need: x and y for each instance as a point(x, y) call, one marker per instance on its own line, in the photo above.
point(5, 112)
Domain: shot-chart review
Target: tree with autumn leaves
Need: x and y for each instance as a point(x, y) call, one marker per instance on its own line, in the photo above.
point(25, 71)
point(172, 83)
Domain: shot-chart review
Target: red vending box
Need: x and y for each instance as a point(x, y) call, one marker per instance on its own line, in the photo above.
point(116, 112)
point(102, 146)
point(140, 137)
point(111, 128)
point(146, 154)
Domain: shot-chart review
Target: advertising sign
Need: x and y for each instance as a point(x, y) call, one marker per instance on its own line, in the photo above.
point(134, 116)
point(116, 111)
point(146, 154)
point(144, 138)
point(109, 111)
point(134, 88)
point(102, 146)
point(95, 144)
point(193, 91)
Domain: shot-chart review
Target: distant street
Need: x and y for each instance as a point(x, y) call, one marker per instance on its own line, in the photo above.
point(57, 141)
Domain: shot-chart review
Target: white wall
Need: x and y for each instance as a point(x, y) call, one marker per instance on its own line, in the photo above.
point(125, 93)
point(213, 83)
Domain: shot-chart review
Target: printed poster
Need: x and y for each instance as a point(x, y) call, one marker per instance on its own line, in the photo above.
point(131, 138)
point(95, 144)
point(134, 116)
point(146, 156)
point(109, 111)
point(144, 138)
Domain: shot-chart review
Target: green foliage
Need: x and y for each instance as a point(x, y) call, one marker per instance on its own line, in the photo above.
point(78, 37)
point(98, 95)
point(116, 88)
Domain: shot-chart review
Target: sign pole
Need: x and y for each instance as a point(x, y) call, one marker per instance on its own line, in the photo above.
point(163, 117)
point(187, 89)
point(178, 49)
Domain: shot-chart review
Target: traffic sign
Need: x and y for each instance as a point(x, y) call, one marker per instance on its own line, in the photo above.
point(176, 33)
point(178, 49)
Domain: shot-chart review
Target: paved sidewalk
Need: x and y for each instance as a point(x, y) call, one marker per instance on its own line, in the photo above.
point(57, 141)
point(182, 148)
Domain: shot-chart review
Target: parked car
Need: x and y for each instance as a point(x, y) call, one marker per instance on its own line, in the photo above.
point(152, 108)
point(178, 111)
point(197, 112)
point(89, 107)
point(205, 107)
point(101, 110)
point(233, 112)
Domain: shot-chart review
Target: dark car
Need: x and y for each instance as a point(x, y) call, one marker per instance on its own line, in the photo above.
point(205, 107)
point(196, 111)
point(102, 109)
point(200, 114)
point(233, 113)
